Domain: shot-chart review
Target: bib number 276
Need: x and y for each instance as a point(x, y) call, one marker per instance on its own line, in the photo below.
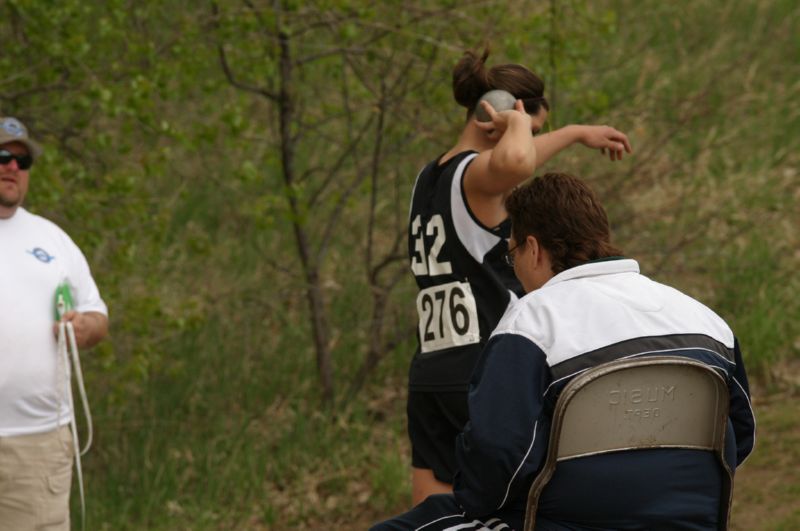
point(448, 316)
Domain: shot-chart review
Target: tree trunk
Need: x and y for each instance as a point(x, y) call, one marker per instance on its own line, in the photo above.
point(314, 294)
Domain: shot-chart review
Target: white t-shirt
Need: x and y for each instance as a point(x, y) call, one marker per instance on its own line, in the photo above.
point(35, 257)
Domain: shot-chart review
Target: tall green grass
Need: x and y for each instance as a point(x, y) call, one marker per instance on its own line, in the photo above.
point(233, 440)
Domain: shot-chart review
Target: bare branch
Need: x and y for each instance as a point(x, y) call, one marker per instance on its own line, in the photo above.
point(376, 156)
point(393, 256)
point(60, 86)
point(238, 84)
point(228, 71)
point(334, 168)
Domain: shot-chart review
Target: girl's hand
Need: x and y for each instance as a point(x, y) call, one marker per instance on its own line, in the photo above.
point(605, 138)
point(500, 120)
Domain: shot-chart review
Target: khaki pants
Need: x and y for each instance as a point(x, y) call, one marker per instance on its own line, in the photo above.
point(35, 480)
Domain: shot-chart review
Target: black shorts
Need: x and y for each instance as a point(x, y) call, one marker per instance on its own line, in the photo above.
point(434, 420)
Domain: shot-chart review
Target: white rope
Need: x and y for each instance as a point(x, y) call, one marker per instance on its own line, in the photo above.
point(68, 346)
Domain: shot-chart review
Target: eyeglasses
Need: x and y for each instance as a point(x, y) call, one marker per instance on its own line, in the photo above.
point(508, 256)
point(23, 161)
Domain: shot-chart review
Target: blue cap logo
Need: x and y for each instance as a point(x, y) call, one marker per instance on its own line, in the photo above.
point(13, 127)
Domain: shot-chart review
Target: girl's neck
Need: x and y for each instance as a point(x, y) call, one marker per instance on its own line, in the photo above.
point(471, 139)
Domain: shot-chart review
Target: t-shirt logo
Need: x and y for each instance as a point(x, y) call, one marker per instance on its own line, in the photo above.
point(42, 255)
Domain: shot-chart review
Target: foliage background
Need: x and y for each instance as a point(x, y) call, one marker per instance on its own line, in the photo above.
point(237, 173)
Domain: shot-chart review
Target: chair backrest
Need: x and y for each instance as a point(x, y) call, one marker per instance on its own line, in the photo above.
point(642, 403)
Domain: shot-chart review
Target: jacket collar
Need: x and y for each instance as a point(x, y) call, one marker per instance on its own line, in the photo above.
point(595, 268)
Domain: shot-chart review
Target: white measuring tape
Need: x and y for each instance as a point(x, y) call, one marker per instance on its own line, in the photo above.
point(68, 350)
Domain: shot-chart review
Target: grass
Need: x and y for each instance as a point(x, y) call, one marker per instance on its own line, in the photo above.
point(767, 486)
point(216, 447)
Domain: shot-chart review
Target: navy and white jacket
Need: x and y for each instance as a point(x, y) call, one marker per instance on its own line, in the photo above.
point(582, 317)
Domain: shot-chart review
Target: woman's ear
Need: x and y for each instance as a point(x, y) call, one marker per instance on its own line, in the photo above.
point(532, 246)
point(542, 262)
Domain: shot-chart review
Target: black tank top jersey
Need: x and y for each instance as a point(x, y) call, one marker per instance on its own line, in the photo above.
point(464, 285)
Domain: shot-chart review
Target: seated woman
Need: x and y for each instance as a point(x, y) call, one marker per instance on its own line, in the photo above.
point(584, 305)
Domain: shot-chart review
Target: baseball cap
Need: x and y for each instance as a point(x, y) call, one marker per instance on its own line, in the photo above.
point(12, 130)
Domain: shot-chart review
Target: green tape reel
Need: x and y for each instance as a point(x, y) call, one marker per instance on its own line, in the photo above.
point(63, 300)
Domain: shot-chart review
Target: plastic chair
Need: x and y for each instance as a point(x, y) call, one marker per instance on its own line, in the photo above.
point(642, 403)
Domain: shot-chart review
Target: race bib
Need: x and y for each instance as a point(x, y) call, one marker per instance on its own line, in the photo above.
point(448, 317)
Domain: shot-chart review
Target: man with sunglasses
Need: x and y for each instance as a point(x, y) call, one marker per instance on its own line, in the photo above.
point(36, 256)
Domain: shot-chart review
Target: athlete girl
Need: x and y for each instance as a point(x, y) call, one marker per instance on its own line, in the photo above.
point(458, 239)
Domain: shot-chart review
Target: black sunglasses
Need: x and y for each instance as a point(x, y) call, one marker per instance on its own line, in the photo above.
point(23, 161)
